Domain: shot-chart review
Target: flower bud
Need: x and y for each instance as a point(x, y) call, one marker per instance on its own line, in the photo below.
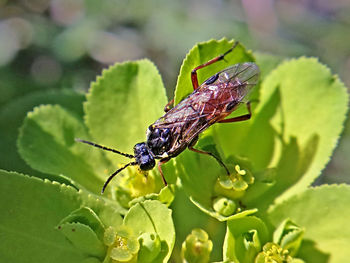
point(197, 247)
point(224, 206)
point(234, 185)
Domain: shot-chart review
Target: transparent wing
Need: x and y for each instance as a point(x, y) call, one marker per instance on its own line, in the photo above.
point(246, 73)
point(240, 78)
point(207, 103)
point(182, 114)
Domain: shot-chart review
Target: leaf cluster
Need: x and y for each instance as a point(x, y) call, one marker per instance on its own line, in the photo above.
point(267, 205)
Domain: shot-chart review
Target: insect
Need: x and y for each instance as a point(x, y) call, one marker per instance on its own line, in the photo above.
point(178, 129)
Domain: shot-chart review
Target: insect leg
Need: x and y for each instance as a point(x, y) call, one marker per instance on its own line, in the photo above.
point(218, 58)
point(168, 105)
point(239, 118)
point(190, 147)
point(162, 161)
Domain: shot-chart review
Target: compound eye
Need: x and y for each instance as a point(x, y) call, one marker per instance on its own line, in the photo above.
point(147, 162)
point(143, 156)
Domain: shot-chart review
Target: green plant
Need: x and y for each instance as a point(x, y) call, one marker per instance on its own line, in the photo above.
point(270, 211)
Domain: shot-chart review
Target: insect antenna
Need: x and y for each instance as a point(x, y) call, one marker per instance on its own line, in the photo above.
point(114, 174)
point(104, 148)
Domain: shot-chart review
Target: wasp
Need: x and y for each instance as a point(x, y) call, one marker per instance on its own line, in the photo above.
point(179, 128)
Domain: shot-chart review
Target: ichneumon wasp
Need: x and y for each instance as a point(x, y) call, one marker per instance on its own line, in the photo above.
point(179, 128)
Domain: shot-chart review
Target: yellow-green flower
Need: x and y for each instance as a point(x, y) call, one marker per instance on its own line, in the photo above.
point(234, 185)
point(197, 247)
point(123, 246)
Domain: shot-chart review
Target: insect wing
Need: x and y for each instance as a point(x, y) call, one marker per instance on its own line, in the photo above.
point(184, 121)
point(178, 116)
point(241, 77)
point(205, 105)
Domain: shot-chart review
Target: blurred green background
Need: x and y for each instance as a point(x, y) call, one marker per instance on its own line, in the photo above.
point(52, 46)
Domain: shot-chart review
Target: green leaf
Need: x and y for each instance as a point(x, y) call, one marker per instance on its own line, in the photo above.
point(151, 216)
point(309, 118)
point(289, 236)
point(122, 103)
point(267, 62)
point(12, 115)
point(35, 208)
point(88, 217)
point(83, 238)
point(32, 209)
point(165, 196)
point(46, 143)
point(150, 247)
point(324, 212)
point(202, 53)
point(111, 215)
point(244, 239)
